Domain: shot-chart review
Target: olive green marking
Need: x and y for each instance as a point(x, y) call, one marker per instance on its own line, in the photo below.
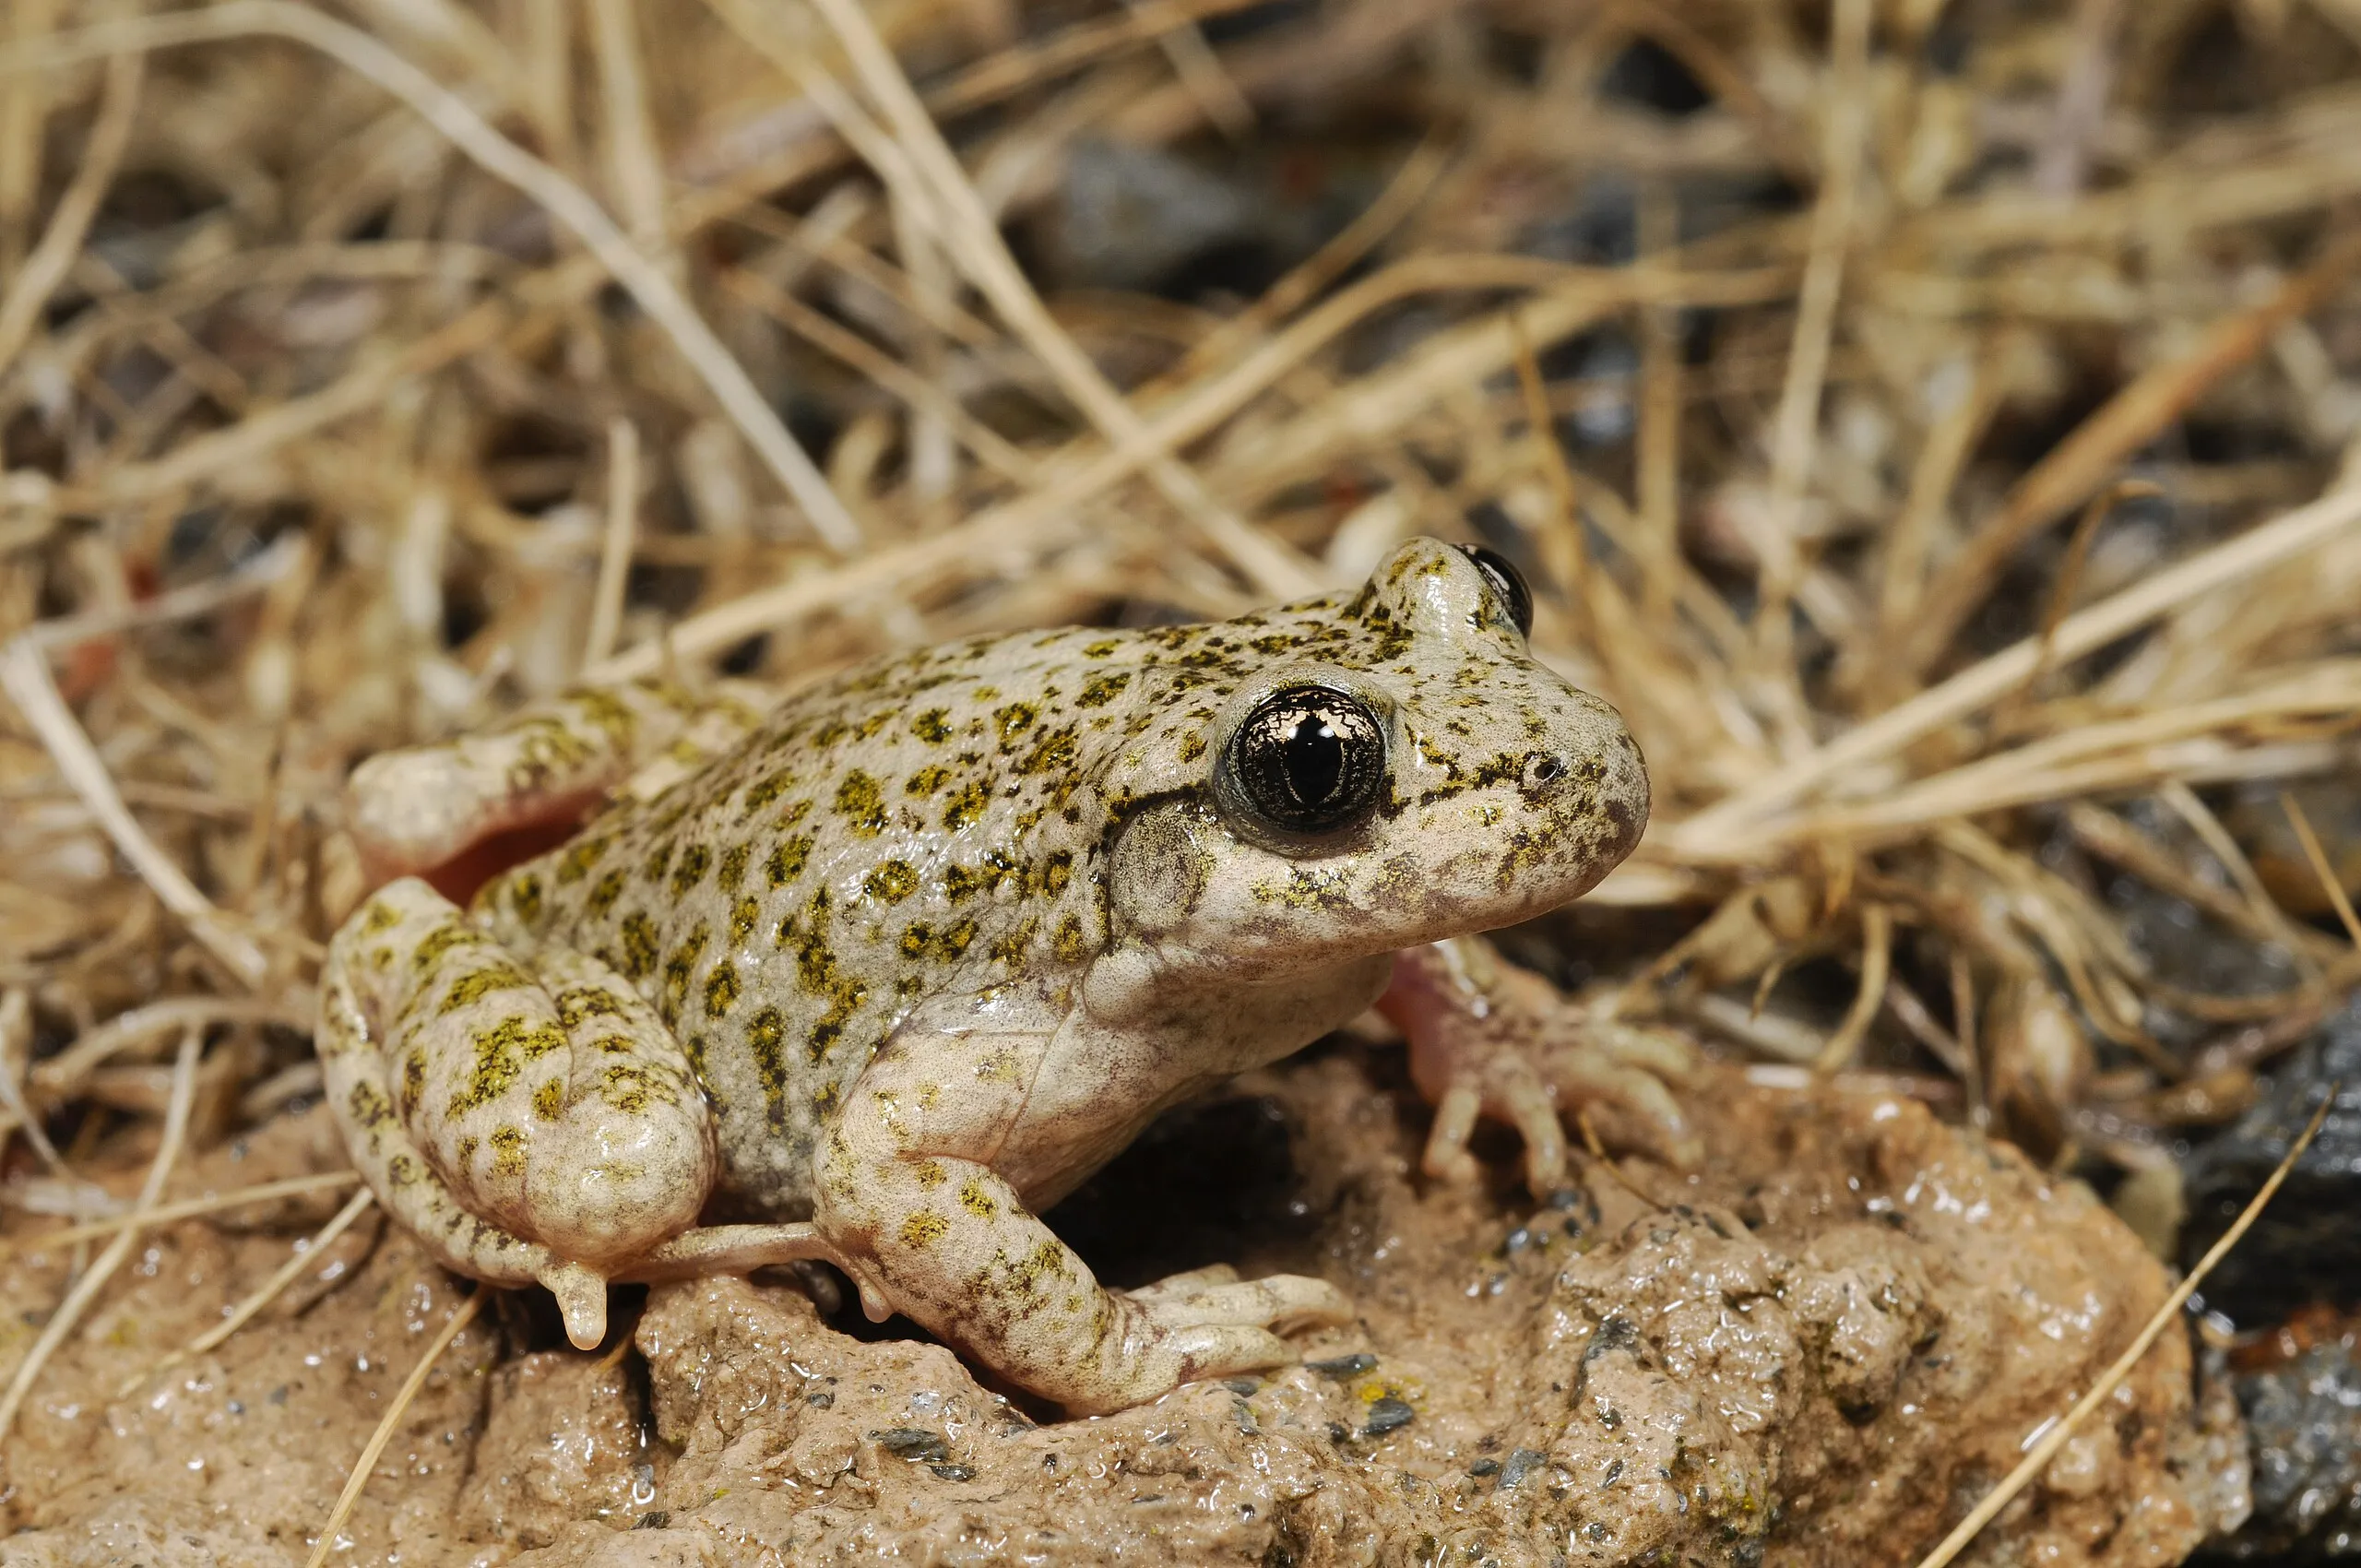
point(476, 984)
point(961, 882)
point(582, 1002)
point(502, 1054)
point(733, 865)
point(1011, 947)
point(787, 859)
point(933, 726)
point(893, 882)
point(689, 870)
point(744, 915)
point(861, 800)
point(975, 1201)
point(549, 1100)
point(1012, 721)
point(817, 973)
point(609, 712)
point(1100, 690)
point(431, 947)
point(721, 989)
point(525, 898)
point(926, 780)
point(766, 1044)
point(631, 1088)
point(368, 1106)
point(967, 805)
point(638, 934)
point(769, 788)
point(677, 969)
point(1054, 752)
point(602, 898)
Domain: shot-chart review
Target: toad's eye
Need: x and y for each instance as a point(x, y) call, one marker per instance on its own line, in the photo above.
point(1507, 584)
point(1308, 760)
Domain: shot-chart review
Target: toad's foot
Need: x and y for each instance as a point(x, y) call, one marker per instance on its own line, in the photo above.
point(1215, 1297)
point(1487, 1039)
point(1209, 1323)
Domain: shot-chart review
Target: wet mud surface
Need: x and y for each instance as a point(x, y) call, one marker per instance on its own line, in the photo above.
point(1820, 1349)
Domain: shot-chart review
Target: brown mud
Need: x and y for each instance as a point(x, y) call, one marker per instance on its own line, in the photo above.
point(1821, 1349)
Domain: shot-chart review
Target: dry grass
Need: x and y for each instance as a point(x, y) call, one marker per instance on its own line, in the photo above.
point(544, 340)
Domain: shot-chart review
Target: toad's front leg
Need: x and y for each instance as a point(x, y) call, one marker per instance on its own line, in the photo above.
point(909, 1192)
point(1487, 1039)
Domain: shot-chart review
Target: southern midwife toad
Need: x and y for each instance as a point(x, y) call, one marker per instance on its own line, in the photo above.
point(879, 971)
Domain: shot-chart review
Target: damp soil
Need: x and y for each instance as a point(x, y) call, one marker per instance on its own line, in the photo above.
point(1821, 1349)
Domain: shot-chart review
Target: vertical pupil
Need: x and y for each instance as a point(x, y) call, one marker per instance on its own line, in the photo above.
point(1315, 758)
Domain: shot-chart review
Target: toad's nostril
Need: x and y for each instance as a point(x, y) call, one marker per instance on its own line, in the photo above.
point(1542, 769)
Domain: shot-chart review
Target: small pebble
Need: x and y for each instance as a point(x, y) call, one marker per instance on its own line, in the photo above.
point(1387, 1415)
point(912, 1443)
point(1353, 1365)
point(1522, 1463)
point(955, 1472)
point(1485, 1467)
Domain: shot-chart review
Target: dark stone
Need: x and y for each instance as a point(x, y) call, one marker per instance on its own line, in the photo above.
point(912, 1443)
point(1342, 1367)
point(2304, 1418)
point(2306, 1249)
point(1387, 1415)
point(1522, 1463)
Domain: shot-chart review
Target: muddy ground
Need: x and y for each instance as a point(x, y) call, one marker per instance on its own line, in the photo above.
point(1820, 1349)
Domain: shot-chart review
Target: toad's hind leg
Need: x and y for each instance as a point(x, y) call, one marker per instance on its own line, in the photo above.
point(524, 1129)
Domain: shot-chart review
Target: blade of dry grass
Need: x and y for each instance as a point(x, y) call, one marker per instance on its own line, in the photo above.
point(1793, 440)
point(28, 290)
point(2331, 884)
point(68, 1315)
point(307, 1253)
point(1877, 960)
point(462, 1315)
point(188, 1209)
point(615, 540)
